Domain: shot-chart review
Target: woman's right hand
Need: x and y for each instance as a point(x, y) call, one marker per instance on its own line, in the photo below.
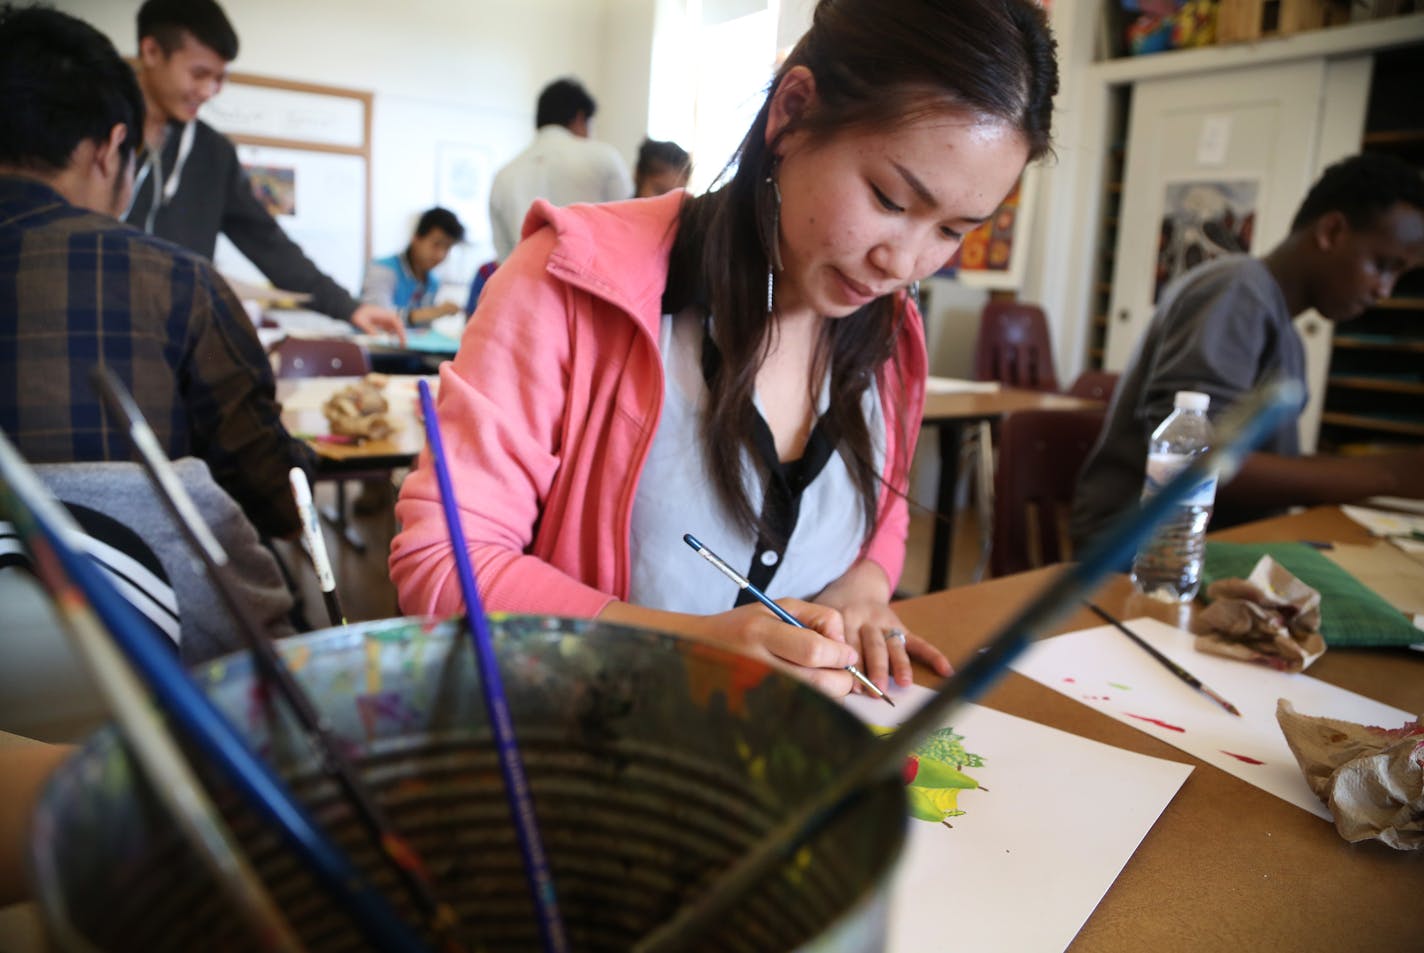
point(817, 654)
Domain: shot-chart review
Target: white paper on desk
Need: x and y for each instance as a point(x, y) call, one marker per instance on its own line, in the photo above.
point(1103, 669)
point(956, 385)
point(1059, 816)
point(1384, 523)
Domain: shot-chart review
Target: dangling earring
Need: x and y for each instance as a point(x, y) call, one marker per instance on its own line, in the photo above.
point(771, 238)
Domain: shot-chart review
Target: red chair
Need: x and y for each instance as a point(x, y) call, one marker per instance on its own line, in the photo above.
point(319, 357)
point(1094, 385)
point(1013, 346)
point(1040, 454)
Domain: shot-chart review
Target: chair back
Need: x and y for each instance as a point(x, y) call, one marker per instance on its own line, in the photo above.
point(320, 357)
point(1040, 454)
point(1013, 346)
point(1094, 385)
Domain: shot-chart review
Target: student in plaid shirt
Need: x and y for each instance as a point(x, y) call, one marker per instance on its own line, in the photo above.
point(78, 288)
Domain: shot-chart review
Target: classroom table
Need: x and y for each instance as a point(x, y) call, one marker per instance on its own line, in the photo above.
point(1227, 866)
point(949, 414)
point(425, 349)
point(302, 399)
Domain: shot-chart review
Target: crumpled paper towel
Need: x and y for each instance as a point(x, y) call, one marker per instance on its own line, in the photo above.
point(1372, 779)
point(1270, 618)
point(360, 409)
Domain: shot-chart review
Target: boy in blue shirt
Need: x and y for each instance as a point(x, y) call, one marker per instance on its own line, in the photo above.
point(406, 282)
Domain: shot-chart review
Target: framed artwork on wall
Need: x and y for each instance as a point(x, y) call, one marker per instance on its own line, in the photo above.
point(995, 254)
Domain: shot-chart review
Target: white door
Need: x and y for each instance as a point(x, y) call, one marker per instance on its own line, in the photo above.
point(1252, 139)
point(1201, 150)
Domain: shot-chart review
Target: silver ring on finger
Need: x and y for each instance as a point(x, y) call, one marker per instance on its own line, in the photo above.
point(895, 635)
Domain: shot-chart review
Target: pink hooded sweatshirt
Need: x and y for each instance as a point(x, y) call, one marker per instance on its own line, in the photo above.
point(549, 408)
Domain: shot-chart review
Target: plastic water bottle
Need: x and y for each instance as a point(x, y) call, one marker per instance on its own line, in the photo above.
point(1168, 566)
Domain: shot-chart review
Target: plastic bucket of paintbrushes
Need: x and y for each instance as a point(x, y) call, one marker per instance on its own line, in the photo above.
point(653, 761)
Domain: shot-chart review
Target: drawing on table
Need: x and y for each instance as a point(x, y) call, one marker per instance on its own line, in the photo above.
point(933, 778)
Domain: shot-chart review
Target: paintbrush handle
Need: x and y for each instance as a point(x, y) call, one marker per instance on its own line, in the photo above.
point(1171, 666)
point(1146, 646)
point(205, 727)
point(335, 764)
point(172, 779)
point(511, 764)
point(316, 544)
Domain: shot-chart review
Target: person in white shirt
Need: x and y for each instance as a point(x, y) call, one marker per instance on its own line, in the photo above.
point(562, 165)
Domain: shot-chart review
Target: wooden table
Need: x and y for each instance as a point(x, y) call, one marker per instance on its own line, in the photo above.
point(302, 399)
point(1227, 866)
point(949, 414)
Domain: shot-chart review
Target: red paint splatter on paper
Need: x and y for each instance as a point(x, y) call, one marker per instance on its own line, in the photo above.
point(1071, 681)
point(1156, 721)
point(1097, 698)
point(1240, 757)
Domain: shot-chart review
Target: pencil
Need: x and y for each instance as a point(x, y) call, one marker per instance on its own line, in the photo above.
point(511, 764)
point(745, 584)
point(316, 544)
point(390, 846)
point(1172, 666)
point(1242, 428)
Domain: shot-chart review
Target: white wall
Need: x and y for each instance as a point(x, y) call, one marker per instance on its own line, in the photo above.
point(441, 72)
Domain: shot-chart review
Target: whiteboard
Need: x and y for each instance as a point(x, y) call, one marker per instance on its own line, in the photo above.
point(307, 150)
point(327, 217)
point(275, 113)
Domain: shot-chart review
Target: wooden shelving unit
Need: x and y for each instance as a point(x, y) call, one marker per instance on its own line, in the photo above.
point(1107, 229)
point(1374, 393)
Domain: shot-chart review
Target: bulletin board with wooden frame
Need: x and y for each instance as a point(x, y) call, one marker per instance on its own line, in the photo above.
point(307, 149)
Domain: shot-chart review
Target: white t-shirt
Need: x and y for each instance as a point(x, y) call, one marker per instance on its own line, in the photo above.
point(557, 166)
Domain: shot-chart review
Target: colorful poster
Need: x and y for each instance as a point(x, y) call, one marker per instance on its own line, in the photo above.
point(275, 187)
point(998, 803)
point(1103, 669)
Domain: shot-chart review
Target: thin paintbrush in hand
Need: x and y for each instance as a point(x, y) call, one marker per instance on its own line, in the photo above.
point(1172, 666)
point(746, 586)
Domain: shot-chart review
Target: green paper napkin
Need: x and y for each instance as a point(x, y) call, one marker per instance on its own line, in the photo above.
point(1351, 614)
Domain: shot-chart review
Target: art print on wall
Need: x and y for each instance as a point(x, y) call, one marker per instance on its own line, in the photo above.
point(994, 255)
point(1203, 220)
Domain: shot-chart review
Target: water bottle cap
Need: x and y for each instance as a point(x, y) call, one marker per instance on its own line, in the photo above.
point(1191, 400)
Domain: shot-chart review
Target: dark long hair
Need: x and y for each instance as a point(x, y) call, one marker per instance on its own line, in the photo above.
point(878, 64)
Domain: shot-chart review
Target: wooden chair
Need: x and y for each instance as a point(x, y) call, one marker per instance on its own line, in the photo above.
point(1094, 385)
point(330, 357)
point(1013, 347)
point(1040, 454)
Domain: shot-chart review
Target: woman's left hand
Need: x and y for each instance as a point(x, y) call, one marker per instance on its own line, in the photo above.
point(873, 629)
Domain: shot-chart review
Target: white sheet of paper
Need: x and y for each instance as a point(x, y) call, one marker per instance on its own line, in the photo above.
point(955, 385)
point(1103, 669)
point(1383, 522)
point(1058, 812)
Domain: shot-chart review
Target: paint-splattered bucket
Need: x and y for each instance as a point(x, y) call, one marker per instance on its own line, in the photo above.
point(654, 762)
